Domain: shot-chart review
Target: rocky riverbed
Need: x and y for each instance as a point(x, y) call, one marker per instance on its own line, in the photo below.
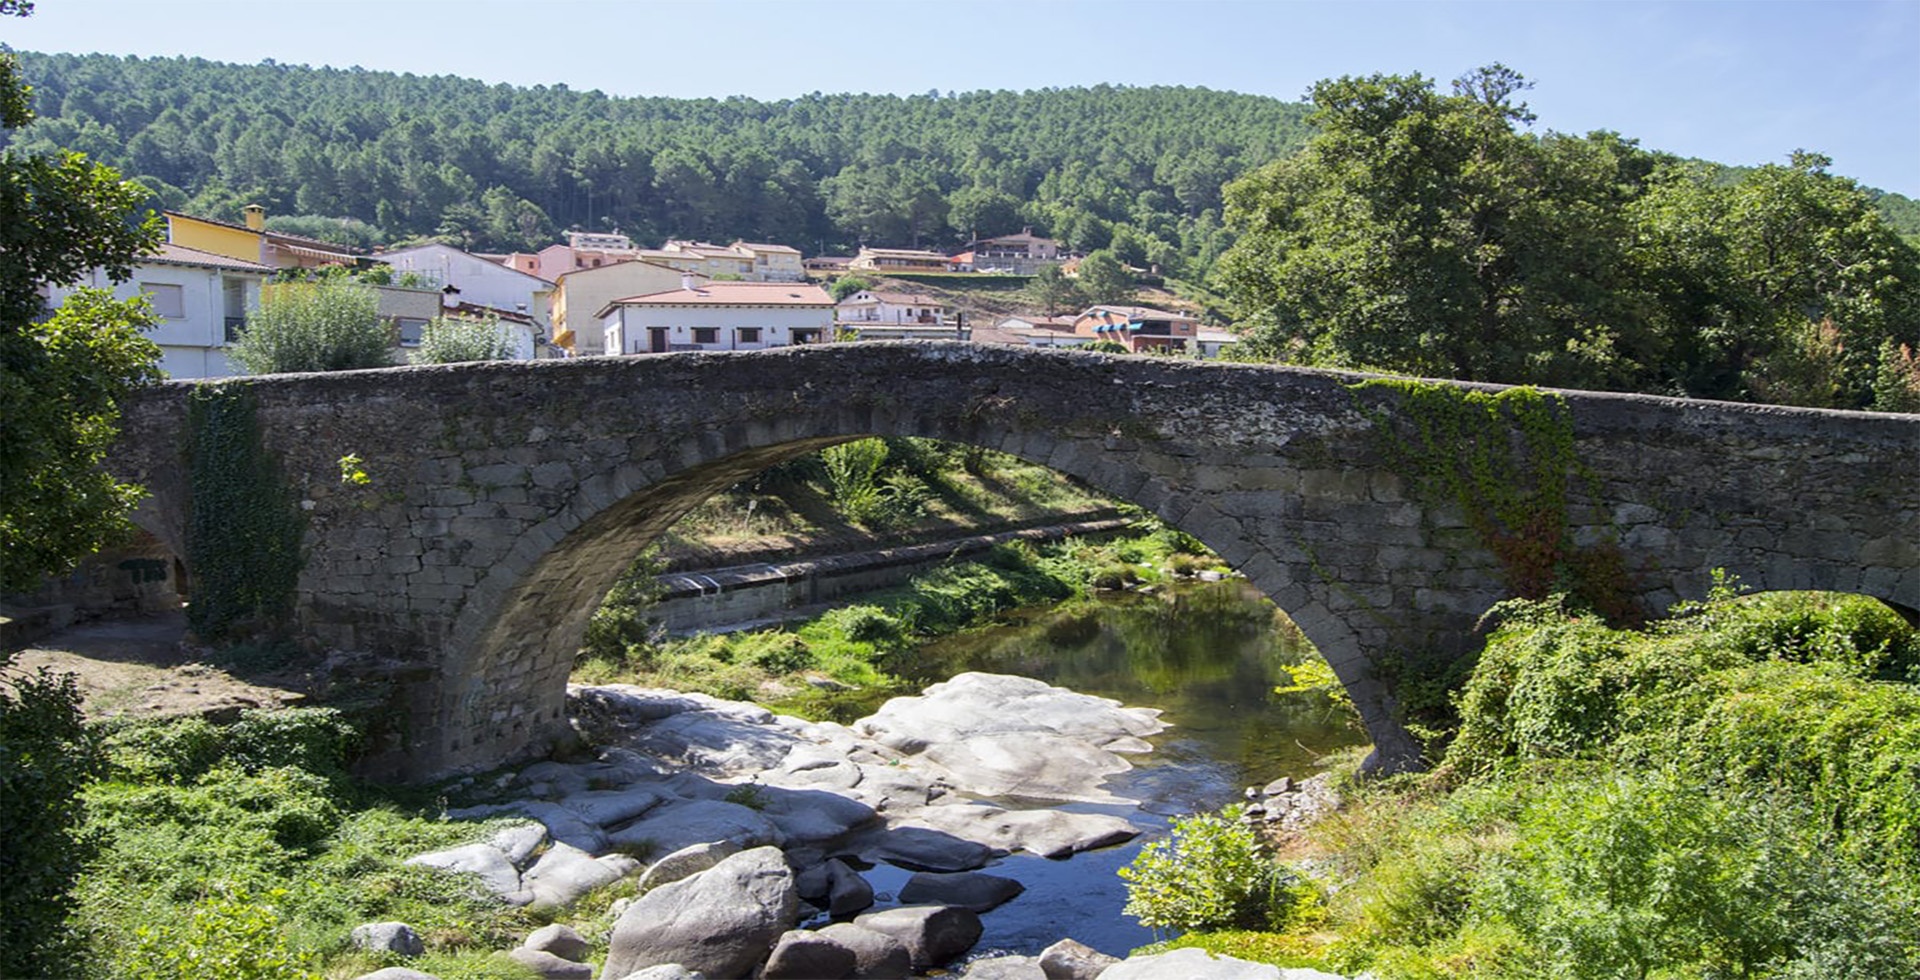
point(746, 837)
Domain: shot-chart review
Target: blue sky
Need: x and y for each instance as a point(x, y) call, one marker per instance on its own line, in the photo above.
point(1737, 82)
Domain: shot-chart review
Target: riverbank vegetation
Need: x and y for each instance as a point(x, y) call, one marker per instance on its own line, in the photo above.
point(1729, 792)
point(800, 668)
point(237, 850)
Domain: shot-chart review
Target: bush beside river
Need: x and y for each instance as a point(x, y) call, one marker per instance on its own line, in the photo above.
point(1731, 792)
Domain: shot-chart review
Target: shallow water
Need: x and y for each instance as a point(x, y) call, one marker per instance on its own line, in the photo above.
point(1209, 656)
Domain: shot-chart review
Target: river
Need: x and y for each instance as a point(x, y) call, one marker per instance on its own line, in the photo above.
point(1209, 656)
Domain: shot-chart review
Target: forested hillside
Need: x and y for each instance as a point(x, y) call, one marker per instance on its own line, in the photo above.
point(498, 167)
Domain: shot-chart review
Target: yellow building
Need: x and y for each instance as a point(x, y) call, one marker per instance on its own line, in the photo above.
point(252, 242)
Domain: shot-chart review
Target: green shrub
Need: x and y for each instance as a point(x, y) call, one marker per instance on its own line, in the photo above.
point(1655, 876)
point(1811, 734)
point(332, 325)
point(316, 740)
point(1818, 627)
point(47, 755)
point(459, 339)
point(228, 936)
point(1209, 873)
point(779, 653)
point(853, 475)
point(866, 624)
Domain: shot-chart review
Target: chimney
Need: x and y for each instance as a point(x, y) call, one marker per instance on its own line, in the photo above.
point(686, 282)
point(256, 217)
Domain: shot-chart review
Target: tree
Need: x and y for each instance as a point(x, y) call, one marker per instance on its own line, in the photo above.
point(456, 339)
point(330, 325)
point(1425, 234)
point(1053, 292)
point(846, 286)
point(1422, 233)
point(1104, 280)
point(983, 211)
point(60, 377)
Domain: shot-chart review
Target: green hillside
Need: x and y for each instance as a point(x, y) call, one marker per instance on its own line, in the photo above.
point(498, 167)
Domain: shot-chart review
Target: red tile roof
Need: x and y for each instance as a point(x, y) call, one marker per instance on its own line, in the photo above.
point(732, 294)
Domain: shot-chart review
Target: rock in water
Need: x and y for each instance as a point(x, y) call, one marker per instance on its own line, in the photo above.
point(969, 890)
point(721, 922)
point(801, 955)
point(1071, 960)
point(876, 955)
point(933, 934)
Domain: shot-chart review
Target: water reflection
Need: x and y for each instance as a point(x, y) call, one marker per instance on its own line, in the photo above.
point(1208, 655)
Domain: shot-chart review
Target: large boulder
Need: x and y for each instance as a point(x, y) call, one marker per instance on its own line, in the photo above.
point(1071, 960)
point(488, 864)
point(689, 860)
point(969, 890)
point(684, 823)
point(565, 873)
point(565, 825)
point(933, 934)
point(561, 941)
point(812, 815)
point(1004, 968)
point(721, 922)
point(876, 955)
point(802, 955)
point(1185, 964)
point(388, 937)
point(921, 848)
point(607, 807)
point(665, 971)
point(547, 966)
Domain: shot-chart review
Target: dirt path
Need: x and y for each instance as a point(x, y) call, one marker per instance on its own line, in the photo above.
point(140, 667)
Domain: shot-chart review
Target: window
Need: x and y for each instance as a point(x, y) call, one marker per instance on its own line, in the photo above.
point(168, 299)
point(749, 335)
point(410, 330)
point(706, 335)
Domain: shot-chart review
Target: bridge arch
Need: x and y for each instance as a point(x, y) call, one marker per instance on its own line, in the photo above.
point(504, 498)
point(514, 641)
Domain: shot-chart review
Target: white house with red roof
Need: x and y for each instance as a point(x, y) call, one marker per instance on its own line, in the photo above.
point(869, 306)
point(718, 316)
point(201, 300)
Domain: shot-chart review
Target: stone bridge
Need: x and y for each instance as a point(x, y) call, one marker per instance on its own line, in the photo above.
point(504, 499)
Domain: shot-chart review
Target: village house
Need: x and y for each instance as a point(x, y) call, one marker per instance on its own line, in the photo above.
point(869, 307)
point(201, 300)
point(900, 260)
point(1023, 254)
point(718, 316)
point(475, 280)
point(252, 242)
point(1137, 327)
point(577, 296)
point(1032, 330)
point(747, 261)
